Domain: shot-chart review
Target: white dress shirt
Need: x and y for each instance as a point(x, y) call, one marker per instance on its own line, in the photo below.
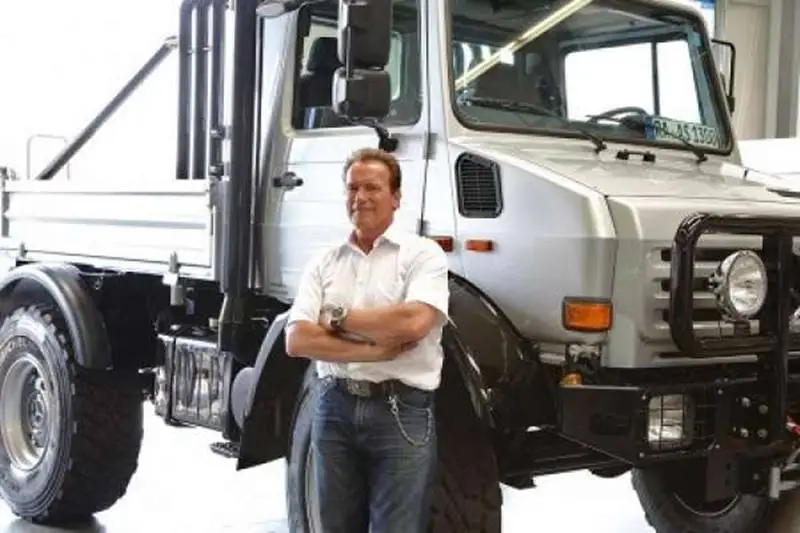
point(402, 267)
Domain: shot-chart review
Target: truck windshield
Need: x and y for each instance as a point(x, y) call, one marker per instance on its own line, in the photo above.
point(630, 71)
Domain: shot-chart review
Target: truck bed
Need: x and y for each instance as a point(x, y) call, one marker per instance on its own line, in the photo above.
point(129, 226)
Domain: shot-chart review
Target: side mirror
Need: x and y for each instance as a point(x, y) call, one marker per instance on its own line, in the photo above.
point(719, 47)
point(364, 32)
point(361, 89)
point(365, 94)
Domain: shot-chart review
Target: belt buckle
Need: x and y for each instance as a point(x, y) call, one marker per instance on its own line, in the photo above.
point(358, 388)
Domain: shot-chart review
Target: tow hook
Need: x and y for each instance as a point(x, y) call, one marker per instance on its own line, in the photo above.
point(787, 476)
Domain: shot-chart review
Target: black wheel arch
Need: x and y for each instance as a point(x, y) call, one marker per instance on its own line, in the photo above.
point(501, 369)
point(62, 285)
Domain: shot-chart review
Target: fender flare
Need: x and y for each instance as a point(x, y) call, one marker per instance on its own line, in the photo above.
point(263, 398)
point(458, 354)
point(64, 284)
point(500, 371)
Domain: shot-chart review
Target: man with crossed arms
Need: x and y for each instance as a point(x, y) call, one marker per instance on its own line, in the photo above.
point(369, 312)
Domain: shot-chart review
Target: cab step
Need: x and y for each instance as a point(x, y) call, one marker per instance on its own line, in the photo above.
point(226, 449)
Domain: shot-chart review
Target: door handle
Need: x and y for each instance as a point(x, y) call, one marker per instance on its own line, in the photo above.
point(287, 181)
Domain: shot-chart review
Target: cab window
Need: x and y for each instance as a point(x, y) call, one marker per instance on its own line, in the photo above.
point(655, 76)
point(318, 60)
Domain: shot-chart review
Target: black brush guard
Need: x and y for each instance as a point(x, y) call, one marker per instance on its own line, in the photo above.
point(739, 414)
point(774, 340)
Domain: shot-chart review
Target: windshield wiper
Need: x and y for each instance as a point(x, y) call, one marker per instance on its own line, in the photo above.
point(510, 105)
point(637, 123)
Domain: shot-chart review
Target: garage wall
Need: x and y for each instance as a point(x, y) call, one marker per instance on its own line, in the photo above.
point(746, 23)
point(767, 38)
point(786, 16)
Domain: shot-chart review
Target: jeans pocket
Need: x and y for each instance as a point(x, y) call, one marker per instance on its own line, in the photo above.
point(415, 423)
point(414, 399)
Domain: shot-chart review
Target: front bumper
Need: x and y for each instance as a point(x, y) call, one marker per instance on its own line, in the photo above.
point(728, 416)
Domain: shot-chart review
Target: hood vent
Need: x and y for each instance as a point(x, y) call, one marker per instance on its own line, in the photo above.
point(478, 185)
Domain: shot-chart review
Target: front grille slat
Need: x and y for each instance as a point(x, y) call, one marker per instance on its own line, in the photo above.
point(711, 250)
point(702, 300)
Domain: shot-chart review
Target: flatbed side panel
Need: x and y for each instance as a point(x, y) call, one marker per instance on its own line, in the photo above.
point(113, 225)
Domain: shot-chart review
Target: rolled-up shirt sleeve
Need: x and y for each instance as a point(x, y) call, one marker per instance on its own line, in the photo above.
point(308, 300)
point(427, 279)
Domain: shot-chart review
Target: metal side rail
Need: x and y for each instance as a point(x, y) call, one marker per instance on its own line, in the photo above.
point(89, 131)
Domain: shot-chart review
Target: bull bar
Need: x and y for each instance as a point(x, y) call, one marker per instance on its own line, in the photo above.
point(774, 340)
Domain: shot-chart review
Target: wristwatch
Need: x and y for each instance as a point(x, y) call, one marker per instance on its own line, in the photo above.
point(338, 315)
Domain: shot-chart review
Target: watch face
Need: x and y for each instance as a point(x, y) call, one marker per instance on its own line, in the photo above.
point(337, 313)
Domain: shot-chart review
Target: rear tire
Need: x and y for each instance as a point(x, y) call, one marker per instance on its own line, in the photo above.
point(70, 440)
point(467, 496)
point(669, 509)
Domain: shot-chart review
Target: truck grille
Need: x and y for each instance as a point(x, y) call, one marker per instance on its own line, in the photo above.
point(711, 250)
point(707, 319)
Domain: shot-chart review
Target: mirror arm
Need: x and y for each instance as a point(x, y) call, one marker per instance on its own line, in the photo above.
point(386, 141)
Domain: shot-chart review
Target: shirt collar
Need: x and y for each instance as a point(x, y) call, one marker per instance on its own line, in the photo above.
point(393, 234)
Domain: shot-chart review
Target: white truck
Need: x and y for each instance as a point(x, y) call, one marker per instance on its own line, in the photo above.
point(623, 291)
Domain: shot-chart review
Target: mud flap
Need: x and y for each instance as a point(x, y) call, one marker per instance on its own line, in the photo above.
point(263, 398)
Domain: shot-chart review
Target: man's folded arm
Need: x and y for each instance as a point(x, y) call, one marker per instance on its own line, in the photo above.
point(306, 338)
point(425, 306)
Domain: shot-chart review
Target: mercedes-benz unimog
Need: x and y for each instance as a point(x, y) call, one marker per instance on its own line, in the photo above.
point(623, 292)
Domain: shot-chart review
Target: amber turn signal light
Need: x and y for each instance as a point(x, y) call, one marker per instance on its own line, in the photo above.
point(479, 245)
point(445, 241)
point(572, 379)
point(590, 315)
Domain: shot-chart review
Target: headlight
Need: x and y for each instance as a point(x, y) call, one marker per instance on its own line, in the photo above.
point(740, 285)
point(670, 422)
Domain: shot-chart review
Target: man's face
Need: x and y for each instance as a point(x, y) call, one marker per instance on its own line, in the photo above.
point(370, 200)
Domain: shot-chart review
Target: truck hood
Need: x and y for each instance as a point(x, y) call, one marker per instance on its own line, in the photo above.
point(673, 174)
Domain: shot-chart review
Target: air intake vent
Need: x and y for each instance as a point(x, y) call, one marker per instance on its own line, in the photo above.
point(478, 184)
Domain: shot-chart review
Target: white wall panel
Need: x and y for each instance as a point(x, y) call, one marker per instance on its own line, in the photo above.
point(767, 37)
point(746, 23)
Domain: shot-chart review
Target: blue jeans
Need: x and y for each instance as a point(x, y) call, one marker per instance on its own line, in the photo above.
point(375, 465)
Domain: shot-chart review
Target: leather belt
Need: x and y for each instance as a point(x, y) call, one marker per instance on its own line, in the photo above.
point(369, 389)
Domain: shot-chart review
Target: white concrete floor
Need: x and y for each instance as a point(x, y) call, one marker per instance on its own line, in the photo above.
point(181, 486)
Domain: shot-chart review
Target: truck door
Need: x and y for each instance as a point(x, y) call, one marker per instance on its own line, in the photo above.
point(301, 220)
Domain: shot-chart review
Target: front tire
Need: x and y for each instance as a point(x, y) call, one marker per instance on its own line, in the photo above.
point(70, 438)
point(467, 495)
point(669, 507)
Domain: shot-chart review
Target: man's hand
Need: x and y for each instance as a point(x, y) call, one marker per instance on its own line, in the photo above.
point(388, 353)
point(392, 325)
point(306, 339)
point(325, 319)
